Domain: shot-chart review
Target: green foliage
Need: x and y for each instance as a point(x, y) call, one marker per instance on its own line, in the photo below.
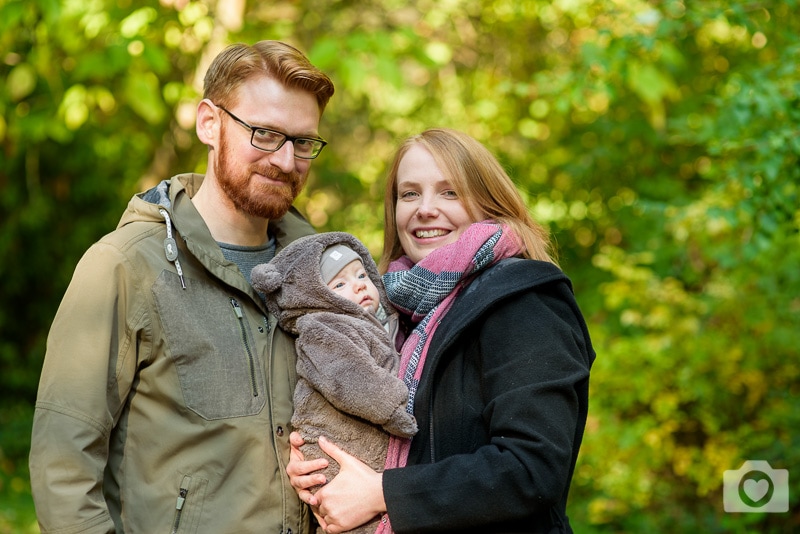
point(658, 141)
point(16, 509)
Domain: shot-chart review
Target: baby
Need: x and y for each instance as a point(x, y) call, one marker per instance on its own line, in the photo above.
point(325, 288)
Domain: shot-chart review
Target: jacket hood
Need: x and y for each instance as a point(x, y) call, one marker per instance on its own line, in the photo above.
point(146, 206)
point(155, 205)
point(293, 286)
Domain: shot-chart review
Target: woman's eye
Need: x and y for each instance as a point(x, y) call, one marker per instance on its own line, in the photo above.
point(450, 194)
point(408, 194)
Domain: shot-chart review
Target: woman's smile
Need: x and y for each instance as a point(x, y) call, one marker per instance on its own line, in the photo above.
point(430, 233)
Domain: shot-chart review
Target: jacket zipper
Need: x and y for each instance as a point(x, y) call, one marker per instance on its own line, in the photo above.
point(179, 505)
point(430, 431)
point(240, 315)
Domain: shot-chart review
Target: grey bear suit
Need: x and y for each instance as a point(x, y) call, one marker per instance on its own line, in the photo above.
point(347, 386)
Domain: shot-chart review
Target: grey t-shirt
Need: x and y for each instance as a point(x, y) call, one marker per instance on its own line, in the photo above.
point(248, 257)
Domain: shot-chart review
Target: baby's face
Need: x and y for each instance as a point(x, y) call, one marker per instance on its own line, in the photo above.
point(354, 284)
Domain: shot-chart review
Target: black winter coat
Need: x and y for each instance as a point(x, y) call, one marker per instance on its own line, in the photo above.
point(501, 408)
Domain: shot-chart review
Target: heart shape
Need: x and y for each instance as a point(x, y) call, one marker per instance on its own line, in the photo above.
point(756, 490)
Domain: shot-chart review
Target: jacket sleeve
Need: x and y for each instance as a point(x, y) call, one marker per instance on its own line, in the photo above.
point(531, 361)
point(86, 377)
point(335, 357)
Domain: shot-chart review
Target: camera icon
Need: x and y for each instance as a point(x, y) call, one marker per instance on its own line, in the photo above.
point(755, 487)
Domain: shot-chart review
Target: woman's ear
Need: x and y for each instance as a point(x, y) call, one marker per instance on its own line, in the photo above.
point(207, 125)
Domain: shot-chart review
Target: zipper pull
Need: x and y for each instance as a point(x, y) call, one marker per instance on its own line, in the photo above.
point(184, 490)
point(237, 309)
point(181, 499)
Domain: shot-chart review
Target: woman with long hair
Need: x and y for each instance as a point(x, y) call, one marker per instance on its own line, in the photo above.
point(497, 358)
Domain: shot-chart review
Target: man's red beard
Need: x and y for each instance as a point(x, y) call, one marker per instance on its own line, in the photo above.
point(268, 201)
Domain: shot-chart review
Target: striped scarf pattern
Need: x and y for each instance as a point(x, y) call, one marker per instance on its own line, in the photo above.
point(425, 291)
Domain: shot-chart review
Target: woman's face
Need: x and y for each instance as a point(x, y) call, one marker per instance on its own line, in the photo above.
point(429, 214)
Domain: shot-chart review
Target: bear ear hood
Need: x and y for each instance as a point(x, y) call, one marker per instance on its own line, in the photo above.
point(266, 278)
point(292, 283)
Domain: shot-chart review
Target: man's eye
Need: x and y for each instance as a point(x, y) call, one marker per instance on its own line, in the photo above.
point(268, 136)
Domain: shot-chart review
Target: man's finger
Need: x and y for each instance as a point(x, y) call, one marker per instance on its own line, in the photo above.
point(296, 440)
point(308, 498)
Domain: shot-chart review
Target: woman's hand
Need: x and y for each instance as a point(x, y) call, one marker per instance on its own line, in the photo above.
point(353, 497)
point(301, 473)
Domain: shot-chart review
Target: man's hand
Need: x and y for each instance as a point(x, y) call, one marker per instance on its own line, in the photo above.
point(301, 473)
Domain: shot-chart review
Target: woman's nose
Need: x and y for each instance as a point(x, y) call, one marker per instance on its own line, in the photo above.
point(427, 208)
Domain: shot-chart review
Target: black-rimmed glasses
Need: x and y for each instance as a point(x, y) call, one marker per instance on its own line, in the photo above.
point(272, 140)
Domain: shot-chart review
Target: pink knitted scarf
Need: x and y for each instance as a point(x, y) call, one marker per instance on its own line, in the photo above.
point(425, 291)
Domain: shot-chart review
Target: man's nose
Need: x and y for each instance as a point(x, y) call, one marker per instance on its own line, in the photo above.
point(283, 158)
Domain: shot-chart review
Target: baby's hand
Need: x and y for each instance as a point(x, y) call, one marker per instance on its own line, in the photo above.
point(401, 423)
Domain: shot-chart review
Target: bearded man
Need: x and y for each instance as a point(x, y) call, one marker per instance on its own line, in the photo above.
point(166, 393)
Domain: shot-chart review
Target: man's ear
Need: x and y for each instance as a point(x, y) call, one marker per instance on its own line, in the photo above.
point(207, 125)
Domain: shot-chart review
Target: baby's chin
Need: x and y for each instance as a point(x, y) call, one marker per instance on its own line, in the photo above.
point(372, 307)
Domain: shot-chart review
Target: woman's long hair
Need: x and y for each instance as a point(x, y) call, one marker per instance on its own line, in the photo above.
point(479, 181)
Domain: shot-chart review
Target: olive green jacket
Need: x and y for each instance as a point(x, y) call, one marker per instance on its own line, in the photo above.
point(166, 395)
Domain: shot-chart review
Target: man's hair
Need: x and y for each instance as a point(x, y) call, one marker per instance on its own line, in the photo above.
point(479, 181)
point(240, 62)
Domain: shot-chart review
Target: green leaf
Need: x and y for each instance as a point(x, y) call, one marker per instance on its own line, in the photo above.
point(648, 82)
point(143, 95)
point(21, 81)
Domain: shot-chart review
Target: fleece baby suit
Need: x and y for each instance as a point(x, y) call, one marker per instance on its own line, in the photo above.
point(347, 386)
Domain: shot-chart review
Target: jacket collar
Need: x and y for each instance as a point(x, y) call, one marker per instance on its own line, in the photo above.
point(175, 195)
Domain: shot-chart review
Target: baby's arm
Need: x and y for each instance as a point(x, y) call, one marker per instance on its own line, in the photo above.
point(334, 357)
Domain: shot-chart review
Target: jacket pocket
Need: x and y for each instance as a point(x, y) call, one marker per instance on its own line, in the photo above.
point(211, 344)
point(188, 504)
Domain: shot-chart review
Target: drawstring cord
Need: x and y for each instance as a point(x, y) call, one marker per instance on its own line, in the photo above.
point(171, 247)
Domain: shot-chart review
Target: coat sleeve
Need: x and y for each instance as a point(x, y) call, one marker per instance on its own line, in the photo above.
point(531, 363)
point(334, 356)
point(87, 374)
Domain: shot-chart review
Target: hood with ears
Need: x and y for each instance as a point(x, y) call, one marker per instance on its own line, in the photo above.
point(293, 286)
